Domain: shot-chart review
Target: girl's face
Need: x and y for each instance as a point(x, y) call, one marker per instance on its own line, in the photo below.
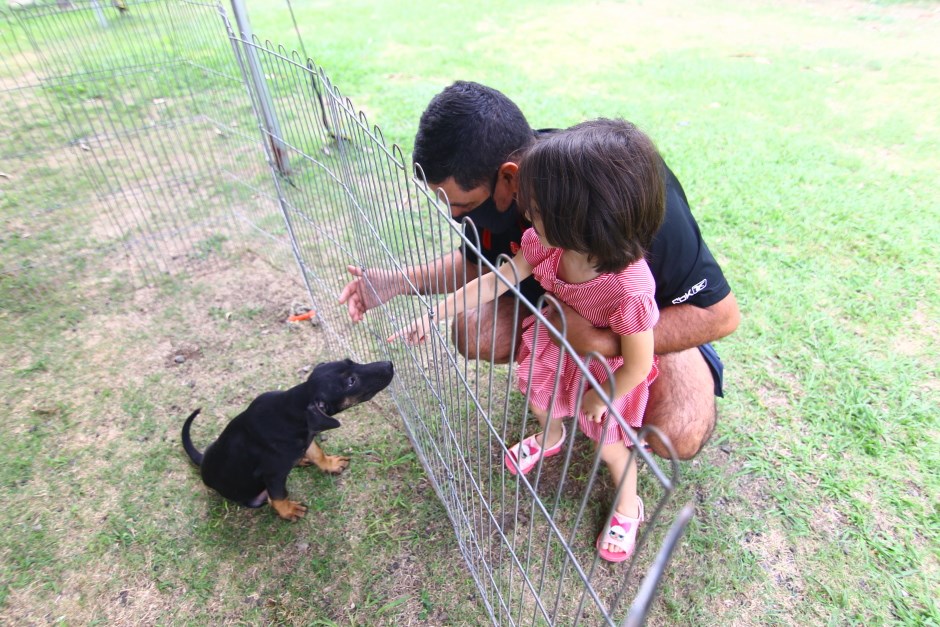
point(540, 231)
point(537, 224)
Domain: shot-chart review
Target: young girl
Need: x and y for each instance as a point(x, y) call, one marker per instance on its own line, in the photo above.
point(594, 194)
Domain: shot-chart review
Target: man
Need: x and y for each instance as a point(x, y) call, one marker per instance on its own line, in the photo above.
point(466, 142)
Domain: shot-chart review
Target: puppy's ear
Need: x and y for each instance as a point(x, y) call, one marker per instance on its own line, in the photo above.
point(316, 371)
point(321, 420)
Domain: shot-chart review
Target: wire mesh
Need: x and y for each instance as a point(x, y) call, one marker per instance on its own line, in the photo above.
point(147, 116)
point(38, 162)
point(192, 140)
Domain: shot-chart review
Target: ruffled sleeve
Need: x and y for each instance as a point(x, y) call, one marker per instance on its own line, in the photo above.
point(637, 313)
point(532, 248)
point(636, 310)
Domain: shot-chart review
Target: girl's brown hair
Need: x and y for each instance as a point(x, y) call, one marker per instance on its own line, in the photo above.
point(598, 189)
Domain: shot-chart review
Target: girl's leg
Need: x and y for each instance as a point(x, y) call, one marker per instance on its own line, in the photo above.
point(617, 457)
point(523, 456)
point(553, 430)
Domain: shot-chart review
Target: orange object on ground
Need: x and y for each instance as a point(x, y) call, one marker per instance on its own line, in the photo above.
point(304, 316)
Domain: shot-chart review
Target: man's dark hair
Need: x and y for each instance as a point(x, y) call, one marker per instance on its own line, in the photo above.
point(598, 189)
point(468, 131)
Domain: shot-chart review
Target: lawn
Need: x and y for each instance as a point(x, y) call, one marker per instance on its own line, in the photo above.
point(807, 137)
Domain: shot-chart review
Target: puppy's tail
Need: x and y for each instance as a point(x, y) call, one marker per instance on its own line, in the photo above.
point(194, 454)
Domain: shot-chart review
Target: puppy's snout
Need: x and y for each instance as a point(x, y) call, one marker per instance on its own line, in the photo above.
point(384, 371)
point(376, 377)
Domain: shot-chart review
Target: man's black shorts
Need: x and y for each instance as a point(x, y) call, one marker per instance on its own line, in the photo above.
point(714, 363)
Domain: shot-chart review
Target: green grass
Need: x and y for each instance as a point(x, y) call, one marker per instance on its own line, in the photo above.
point(806, 137)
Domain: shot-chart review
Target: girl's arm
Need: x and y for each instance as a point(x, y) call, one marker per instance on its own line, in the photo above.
point(477, 292)
point(637, 351)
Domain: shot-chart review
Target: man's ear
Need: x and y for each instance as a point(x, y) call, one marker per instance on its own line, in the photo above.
point(506, 185)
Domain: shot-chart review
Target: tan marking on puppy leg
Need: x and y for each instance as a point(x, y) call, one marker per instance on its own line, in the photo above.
point(287, 509)
point(333, 464)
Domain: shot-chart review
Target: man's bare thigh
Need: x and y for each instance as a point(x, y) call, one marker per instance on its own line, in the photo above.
point(682, 403)
point(473, 331)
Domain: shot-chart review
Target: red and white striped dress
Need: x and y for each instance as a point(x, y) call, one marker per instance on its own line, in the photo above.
point(622, 301)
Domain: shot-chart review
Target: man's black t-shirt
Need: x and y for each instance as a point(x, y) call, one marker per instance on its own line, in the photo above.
point(507, 242)
point(684, 268)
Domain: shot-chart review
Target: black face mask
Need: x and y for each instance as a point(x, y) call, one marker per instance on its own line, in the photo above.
point(488, 217)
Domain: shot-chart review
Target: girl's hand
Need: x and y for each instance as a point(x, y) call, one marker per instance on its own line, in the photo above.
point(413, 334)
point(593, 407)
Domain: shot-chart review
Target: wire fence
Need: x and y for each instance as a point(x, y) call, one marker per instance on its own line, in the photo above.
point(148, 110)
point(197, 139)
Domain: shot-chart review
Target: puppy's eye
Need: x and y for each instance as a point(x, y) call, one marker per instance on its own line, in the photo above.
point(351, 381)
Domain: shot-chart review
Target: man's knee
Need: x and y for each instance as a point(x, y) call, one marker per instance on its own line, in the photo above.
point(474, 338)
point(682, 404)
point(470, 342)
point(686, 440)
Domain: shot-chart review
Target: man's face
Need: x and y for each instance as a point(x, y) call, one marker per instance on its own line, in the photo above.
point(462, 201)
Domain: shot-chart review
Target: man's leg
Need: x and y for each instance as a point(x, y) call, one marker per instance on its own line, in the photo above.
point(479, 342)
point(682, 403)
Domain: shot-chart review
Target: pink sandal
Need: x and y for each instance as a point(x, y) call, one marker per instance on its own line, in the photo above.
point(528, 453)
point(621, 532)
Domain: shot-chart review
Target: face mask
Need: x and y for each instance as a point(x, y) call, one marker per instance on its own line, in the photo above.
point(488, 217)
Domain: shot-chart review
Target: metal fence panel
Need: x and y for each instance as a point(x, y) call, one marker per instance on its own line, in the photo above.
point(351, 199)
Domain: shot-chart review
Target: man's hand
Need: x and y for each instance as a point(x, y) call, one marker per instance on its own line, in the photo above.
point(583, 336)
point(367, 292)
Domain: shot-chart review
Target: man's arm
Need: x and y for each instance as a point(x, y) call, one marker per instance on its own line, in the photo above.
point(443, 275)
point(680, 327)
point(484, 289)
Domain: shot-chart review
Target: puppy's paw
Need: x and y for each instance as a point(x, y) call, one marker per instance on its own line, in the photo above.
point(334, 464)
point(289, 510)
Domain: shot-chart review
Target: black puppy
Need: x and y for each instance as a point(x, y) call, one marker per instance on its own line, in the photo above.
point(250, 460)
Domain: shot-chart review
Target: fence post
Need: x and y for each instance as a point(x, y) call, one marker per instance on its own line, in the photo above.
point(644, 597)
point(261, 88)
point(102, 20)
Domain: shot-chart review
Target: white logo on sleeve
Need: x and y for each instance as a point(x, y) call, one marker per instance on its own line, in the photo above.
point(695, 289)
